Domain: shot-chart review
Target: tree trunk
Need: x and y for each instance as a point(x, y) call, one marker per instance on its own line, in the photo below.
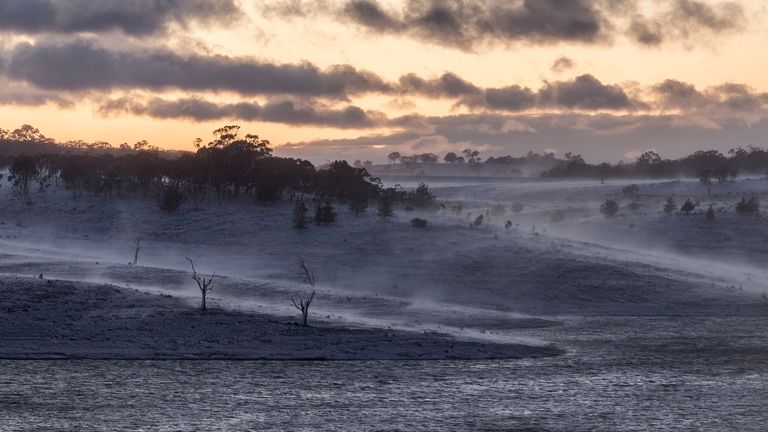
point(202, 304)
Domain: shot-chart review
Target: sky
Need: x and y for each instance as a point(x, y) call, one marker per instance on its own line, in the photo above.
point(359, 79)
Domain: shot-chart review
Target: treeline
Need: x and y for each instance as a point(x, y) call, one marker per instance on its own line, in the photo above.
point(708, 166)
point(229, 167)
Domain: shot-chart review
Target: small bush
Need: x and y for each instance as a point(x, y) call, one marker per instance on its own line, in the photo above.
point(688, 207)
point(710, 214)
point(609, 208)
point(419, 222)
point(634, 206)
point(517, 207)
point(498, 210)
point(479, 221)
point(748, 206)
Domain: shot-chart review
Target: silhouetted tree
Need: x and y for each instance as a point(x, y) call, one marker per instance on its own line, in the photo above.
point(385, 209)
point(300, 215)
point(325, 214)
point(171, 197)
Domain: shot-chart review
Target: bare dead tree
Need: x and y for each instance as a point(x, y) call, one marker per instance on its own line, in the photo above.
point(303, 303)
point(305, 272)
point(205, 285)
point(137, 242)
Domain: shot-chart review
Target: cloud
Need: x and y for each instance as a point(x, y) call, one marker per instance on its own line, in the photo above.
point(471, 24)
point(134, 17)
point(584, 92)
point(12, 93)
point(446, 86)
point(83, 64)
point(464, 24)
point(282, 111)
point(562, 64)
point(688, 21)
point(723, 100)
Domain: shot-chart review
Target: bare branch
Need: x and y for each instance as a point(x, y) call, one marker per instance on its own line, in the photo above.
point(304, 271)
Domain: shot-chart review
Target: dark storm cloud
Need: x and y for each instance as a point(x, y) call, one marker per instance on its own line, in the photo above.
point(135, 17)
point(285, 111)
point(687, 19)
point(82, 64)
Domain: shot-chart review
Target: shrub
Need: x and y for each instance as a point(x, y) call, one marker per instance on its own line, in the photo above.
point(609, 208)
point(478, 221)
point(634, 206)
point(748, 206)
point(710, 214)
point(688, 207)
point(419, 222)
point(517, 207)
